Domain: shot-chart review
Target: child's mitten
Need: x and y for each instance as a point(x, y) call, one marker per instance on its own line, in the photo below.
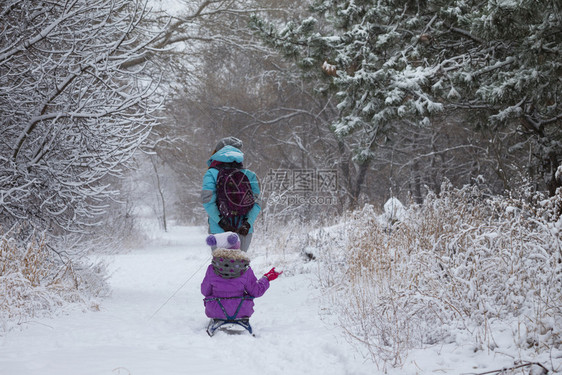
point(272, 274)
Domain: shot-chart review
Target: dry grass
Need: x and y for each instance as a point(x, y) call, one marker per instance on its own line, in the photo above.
point(459, 261)
point(281, 245)
point(35, 281)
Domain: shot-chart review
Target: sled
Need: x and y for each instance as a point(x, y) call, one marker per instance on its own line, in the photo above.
point(230, 322)
point(229, 326)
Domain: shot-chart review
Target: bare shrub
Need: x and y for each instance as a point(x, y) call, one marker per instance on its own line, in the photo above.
point(291, 245)
point(461, 260)
point(280, 244)
point(35, 281)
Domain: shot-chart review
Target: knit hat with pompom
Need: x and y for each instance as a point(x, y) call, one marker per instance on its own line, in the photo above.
point(226, 240)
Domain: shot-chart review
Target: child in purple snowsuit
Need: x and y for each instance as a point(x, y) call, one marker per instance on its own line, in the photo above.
point(230, 277)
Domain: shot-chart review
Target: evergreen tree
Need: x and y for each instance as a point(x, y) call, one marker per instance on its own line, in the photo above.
point(396, 62)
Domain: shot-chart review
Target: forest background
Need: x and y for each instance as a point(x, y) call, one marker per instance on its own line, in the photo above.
point(110, 109)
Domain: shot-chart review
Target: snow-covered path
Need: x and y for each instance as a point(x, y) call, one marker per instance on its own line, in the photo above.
point(122, 338)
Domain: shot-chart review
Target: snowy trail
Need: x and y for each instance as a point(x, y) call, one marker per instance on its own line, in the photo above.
point(123, 339)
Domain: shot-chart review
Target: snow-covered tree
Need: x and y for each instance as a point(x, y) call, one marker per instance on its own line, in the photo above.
point(404, 61)
point(71, 113)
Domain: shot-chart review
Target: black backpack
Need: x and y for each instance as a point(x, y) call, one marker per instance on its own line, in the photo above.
point(234, 191)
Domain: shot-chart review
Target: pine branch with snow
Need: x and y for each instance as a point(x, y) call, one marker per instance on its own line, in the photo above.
point(402, 64)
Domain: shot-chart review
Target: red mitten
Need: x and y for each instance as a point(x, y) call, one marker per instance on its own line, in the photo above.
point(272, 274)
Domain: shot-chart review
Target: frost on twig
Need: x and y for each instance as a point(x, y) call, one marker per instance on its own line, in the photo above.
point(72, 116)
point(461, 261)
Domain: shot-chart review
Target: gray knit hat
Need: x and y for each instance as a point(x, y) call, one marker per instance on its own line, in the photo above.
point(230, 263)
point(229, 141)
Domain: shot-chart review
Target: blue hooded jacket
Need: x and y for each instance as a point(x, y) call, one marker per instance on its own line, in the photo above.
point(227, 154)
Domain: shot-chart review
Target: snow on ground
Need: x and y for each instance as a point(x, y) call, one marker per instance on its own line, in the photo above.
point(125, 337)
point(138, 333)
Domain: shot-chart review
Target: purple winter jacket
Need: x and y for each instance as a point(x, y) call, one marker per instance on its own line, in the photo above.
point(214, 285)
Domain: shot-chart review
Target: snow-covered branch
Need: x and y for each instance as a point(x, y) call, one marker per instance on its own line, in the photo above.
point(72, 116)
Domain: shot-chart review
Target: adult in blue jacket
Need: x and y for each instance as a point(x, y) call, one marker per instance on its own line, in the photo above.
point(228, 150)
